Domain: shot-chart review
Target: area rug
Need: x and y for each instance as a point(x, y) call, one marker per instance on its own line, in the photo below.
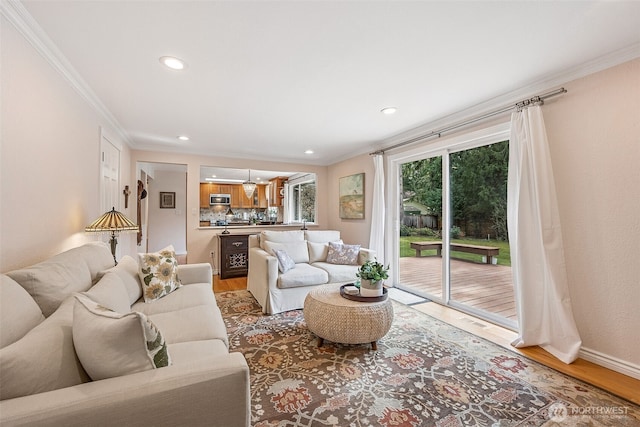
point(424, 373)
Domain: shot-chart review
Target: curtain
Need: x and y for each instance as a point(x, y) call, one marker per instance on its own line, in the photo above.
point(537, 258)
point(376, 236)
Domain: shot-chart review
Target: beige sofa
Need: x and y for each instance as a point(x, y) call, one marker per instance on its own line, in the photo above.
point(276, 291)
point(43, 380)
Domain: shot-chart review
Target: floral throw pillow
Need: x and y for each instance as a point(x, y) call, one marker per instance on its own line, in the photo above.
point(285, 263)
point(158, 273)
point(110, 344)
point(343, 254)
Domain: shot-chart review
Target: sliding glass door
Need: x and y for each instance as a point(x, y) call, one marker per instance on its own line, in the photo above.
point(453, 242)
point(421, 227)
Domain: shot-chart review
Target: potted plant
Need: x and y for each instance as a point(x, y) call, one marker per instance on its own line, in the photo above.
point(372, 274)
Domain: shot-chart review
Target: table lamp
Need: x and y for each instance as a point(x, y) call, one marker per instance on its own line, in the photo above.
point(114, 222)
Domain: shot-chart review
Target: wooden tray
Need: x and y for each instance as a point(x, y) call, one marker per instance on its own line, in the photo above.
point(360, 297)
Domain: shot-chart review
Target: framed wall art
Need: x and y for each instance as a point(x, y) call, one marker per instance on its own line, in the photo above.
point(352, 196)
point(167, 200)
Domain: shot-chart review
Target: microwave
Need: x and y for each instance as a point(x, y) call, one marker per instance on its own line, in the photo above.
point(219, 199)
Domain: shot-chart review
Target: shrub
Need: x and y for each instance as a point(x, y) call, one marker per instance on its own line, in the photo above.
point(405, 230)
point(427, 232)
point(455, 232)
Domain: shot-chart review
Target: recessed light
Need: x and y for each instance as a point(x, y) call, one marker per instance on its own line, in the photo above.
point(183, 138)
point(172, 62)
point(389, 110)
point(308, 152)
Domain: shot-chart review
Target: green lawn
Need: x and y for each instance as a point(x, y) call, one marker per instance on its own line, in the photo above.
point(503, 259)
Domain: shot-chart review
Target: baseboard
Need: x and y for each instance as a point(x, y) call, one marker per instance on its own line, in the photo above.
point(610, 362)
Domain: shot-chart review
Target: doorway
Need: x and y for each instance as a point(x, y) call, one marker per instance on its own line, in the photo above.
point(164, 210)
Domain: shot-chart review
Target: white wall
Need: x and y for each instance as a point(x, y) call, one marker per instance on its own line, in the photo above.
point(167, 226)
point(49, 175)
point(352, 231)
point(594, 137)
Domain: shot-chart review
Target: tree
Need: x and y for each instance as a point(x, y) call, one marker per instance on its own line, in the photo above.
point(478, 187)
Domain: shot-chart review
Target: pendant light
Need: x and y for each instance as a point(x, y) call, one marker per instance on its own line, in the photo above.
point(249, 186)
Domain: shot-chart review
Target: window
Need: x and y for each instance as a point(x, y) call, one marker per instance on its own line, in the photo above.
point(302, 194)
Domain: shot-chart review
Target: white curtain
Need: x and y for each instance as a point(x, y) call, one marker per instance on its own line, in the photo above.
point(537, 258)
point(376, 236)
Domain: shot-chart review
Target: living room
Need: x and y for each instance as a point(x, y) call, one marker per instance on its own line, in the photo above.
point(52, 128)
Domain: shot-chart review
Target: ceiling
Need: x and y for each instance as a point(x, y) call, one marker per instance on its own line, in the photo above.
point(271, 79)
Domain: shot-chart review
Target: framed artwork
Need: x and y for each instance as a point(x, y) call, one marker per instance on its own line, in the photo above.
point(167, 200)
point(352, 196)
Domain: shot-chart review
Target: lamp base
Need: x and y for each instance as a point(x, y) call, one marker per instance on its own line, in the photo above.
point(113, 242)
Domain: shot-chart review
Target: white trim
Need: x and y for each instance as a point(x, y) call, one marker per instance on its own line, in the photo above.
point(613, 363)
point(18, 15)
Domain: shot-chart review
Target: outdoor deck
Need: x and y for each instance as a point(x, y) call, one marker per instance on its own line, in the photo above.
point(487, 287)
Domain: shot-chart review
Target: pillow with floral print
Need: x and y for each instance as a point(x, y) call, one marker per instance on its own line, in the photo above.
point(158, 273)
point(343, 254)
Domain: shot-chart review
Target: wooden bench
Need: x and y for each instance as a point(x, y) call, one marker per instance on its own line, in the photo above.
point(423, 246)
point(487, 251)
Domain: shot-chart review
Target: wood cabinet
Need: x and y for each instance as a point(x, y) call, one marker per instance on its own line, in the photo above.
point(276, 190)
point(236, 193)
point(234, 255)
point(238, 198)
point(205, 190)
point(262, 197)
point(257, 201)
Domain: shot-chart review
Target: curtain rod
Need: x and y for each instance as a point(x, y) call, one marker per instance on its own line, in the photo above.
point(539, 99)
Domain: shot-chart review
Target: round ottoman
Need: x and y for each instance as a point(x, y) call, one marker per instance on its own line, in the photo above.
point(337, 319)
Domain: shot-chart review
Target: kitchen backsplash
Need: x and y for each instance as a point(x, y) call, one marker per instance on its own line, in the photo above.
point(218, 213)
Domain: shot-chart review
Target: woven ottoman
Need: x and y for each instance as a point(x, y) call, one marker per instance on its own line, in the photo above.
point(334, 318)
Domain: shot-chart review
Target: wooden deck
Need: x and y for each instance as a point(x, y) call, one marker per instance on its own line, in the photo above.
point(487, 287)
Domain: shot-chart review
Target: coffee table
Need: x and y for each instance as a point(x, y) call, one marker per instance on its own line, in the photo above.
point(334, 318)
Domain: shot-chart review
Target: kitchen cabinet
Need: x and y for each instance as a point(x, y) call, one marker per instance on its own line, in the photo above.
point(262, 197)
point(276, 191)
point(238, 198)
point(236, 193)
point(257, 201)
point(234, 255)
point(205, 190)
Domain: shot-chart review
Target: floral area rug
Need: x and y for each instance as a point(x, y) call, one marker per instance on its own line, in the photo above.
point(424, 373)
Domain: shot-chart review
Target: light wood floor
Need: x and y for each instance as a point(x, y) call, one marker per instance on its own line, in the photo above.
point(614, 382)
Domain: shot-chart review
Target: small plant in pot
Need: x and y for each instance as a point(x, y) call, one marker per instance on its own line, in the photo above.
point(372, 274)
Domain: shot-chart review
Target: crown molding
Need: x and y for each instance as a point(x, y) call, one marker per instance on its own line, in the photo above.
point(535, 87)
point(19, 17)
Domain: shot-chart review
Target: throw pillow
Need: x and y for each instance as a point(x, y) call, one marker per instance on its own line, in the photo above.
point(318, 251)
point(110, 344)
point(158, 273)
point(343, 254)
point(127, 269)
point(285, 263)
point(298, 251)
point(110, 292)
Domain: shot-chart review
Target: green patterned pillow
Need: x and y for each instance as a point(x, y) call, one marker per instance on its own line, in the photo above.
point(110, 344)
point(158, 273)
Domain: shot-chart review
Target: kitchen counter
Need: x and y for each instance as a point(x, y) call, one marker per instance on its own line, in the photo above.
point(252, 229)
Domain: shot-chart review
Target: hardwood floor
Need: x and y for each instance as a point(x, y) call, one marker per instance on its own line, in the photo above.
point(614, 382)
